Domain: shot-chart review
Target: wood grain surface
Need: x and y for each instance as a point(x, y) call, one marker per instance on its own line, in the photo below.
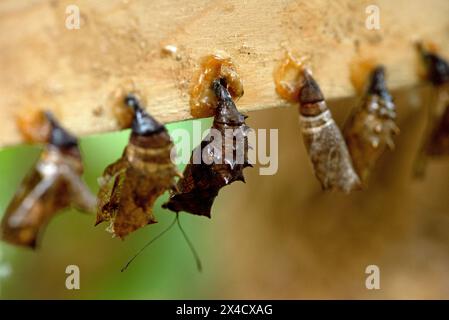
point(120, 45)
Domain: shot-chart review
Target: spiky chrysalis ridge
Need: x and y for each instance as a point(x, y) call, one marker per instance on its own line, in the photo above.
point(371, 127)
point(214, 168)
point(53, 184)
point(131, 185)
point(323, 140)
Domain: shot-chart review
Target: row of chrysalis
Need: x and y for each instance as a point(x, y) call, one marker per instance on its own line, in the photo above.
point(344, 161)
point(130, 186)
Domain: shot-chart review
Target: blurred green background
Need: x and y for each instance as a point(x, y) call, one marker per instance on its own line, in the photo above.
point(275, 237)
point(164, 270)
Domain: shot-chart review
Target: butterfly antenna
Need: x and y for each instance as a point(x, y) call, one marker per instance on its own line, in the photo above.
point(149, 243)
point(190, 244)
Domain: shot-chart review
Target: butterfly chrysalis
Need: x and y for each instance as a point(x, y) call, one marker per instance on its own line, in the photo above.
point(371, 127)
point(130, 186)
point(324, 142)
point(211, 165)
point(53, 184)
point(436, 137)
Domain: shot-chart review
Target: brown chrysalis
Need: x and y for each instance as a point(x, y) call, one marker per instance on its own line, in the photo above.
point(436, 138)
point(218, 161)
point(324, 142)
point(130, 186)
point(53, 184)
point(371, 127)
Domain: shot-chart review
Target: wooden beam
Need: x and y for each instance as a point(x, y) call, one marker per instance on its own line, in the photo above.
point(77, 72)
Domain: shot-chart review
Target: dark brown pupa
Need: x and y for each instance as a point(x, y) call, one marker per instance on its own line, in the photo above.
point(202, 180)
point(130, 186)
point(371, 127)
point(53, 184)
point(323, 140)
point(438, 75)
point(436, 137)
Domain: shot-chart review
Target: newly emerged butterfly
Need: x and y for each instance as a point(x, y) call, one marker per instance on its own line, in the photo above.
point(371, 127)
point(53, 184)
point(218, 161)
point(436, 138)
point(323, 139)
point(130, 186)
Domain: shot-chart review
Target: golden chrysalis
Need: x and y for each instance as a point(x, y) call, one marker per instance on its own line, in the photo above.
point(371, 127)
point(53, 184)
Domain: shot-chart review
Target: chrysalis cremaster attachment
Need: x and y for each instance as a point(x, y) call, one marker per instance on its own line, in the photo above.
point(130, 186)
point(436, 137)
point(53, 184)
point(218, 161)
point(371, 127)
point(323, 140)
